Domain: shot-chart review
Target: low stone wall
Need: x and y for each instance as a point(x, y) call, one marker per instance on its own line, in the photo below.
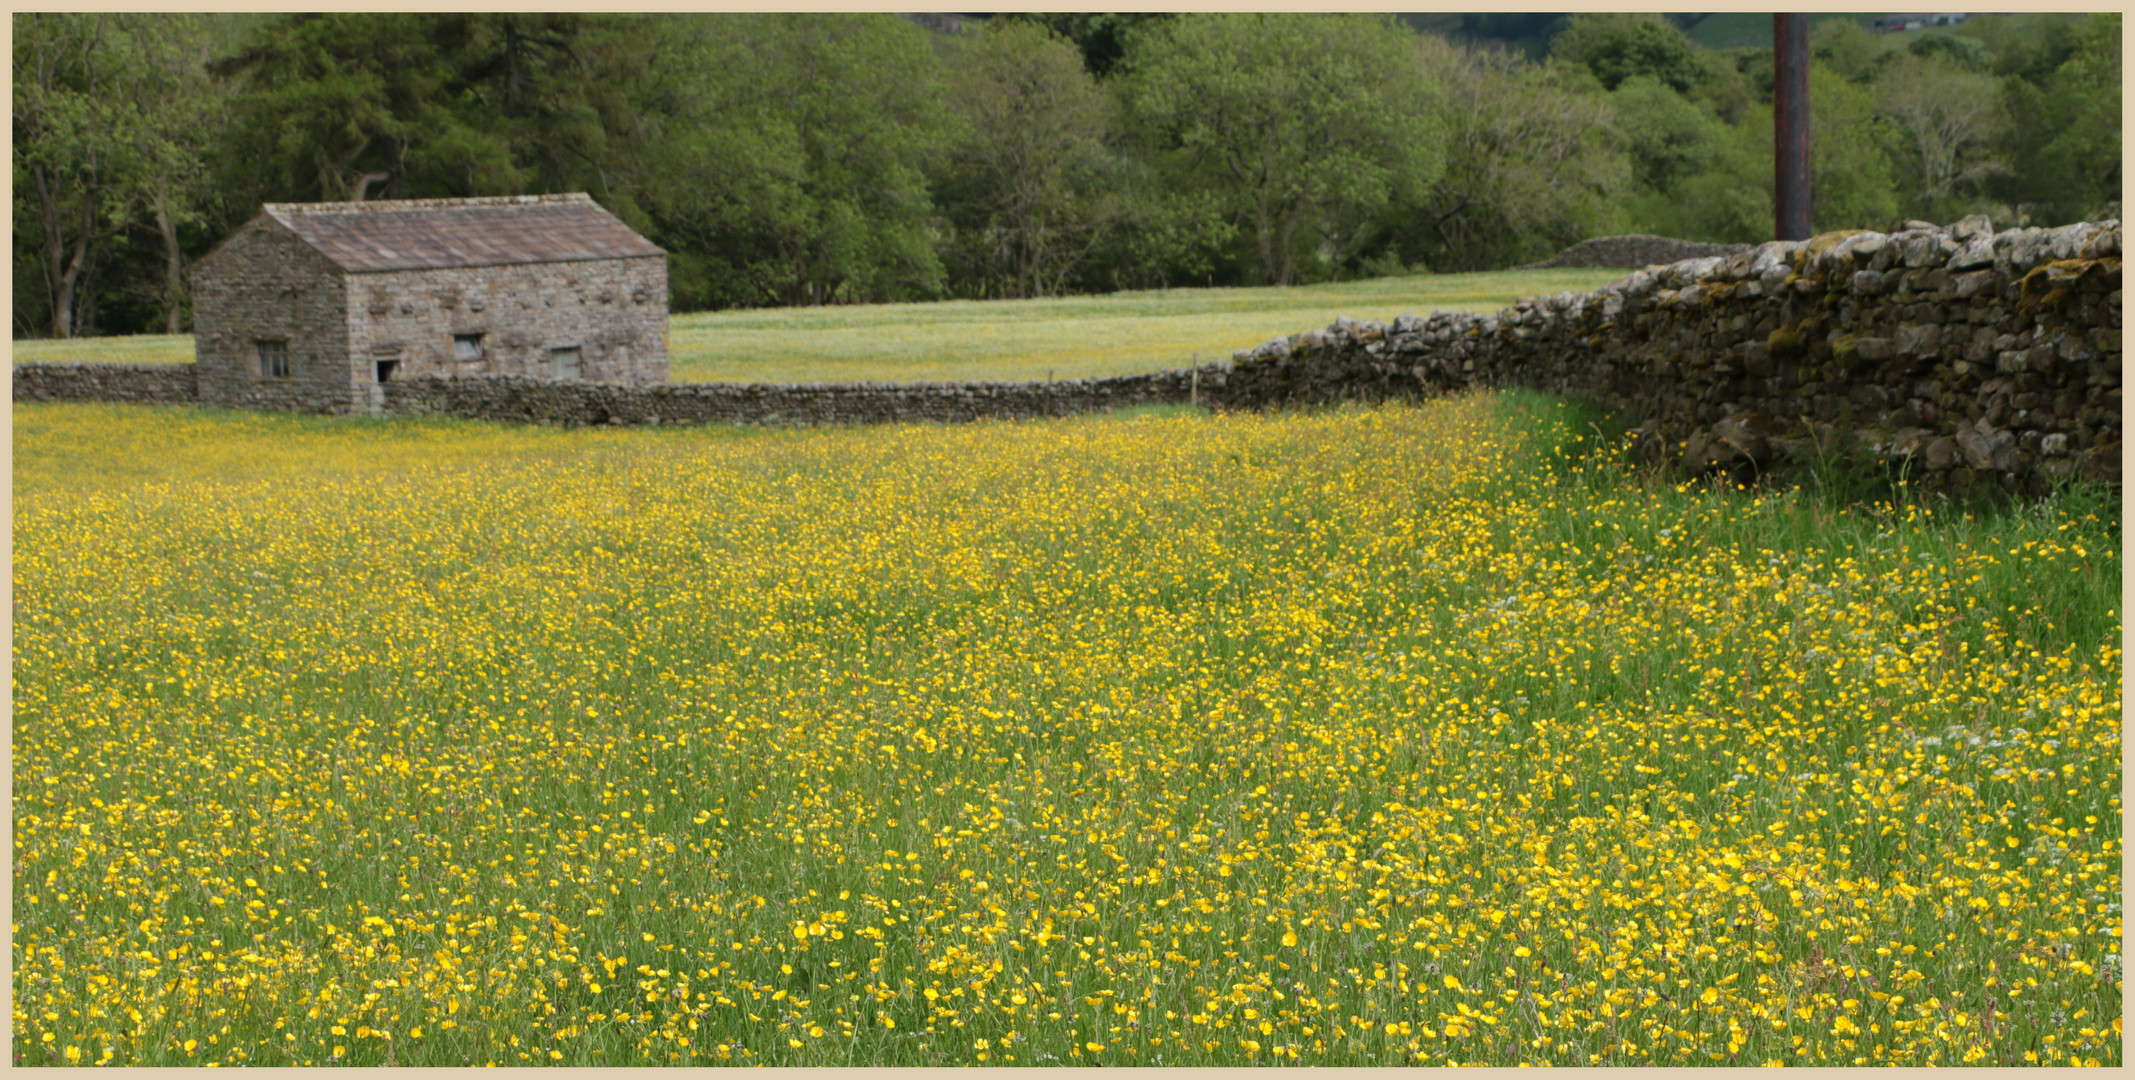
point(1969, 354)
point(575, 404)
point(1631, 252)
point(145, 384)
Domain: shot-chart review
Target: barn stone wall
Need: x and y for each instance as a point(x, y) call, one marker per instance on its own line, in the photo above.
point(264, 283)
point(613, 310)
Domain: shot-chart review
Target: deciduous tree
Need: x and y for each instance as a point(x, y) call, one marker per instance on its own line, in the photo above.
point(1302, 122)
point(1617, 47)
point(790, 154)
point(1534, 162)
point(71, 144)
point(1028, 171)
point(2083, 104)
point(1100, 36)
point(1947, 120)
point(180, 114)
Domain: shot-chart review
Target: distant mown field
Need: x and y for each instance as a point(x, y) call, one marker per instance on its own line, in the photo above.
point(1071, 337)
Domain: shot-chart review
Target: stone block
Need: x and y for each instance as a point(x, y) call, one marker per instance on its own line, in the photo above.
point(1918, 340)
point(1757, 359)
point(1986, 447)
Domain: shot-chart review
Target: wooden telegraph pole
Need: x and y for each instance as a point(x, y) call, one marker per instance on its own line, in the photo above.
point(1790, 109)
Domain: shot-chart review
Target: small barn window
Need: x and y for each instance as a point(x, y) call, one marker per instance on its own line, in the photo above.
point(385, 360)
point(273, 359)
point(466, 347)
point(565, 365)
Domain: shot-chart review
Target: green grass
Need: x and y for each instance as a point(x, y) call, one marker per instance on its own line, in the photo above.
point(1067, 338)
point(1071, 337)
point(124, 349)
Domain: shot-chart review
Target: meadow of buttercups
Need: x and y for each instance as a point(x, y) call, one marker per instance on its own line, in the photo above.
point(1418, 734)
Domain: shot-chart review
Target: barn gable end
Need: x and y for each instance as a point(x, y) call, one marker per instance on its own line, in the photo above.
point(262, 292)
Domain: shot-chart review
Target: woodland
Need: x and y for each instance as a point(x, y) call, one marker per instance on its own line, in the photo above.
point(811, 159)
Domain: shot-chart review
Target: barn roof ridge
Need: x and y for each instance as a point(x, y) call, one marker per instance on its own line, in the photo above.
point(388, 206)
point(435, 234)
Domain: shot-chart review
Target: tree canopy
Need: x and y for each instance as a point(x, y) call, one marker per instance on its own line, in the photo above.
point(1309, 126)
point(849, 158)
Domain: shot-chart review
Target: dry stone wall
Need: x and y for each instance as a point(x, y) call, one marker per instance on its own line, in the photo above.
point(1967, 354)
point(1970, 356)
point(804, 404)
point(133, 384)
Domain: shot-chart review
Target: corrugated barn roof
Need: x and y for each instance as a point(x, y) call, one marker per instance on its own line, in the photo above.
point(426, 234)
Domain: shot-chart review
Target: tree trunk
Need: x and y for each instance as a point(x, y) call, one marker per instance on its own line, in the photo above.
point(397, 164)
point(57, 282)
point(1289, 232)
point(173, 265)
point(62, 272)
point(1264, 239)
point(86, 308)
point(511, 67)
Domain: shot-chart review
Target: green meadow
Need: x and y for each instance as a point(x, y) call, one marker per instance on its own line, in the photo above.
point(1427, 734)
point(1065, 338)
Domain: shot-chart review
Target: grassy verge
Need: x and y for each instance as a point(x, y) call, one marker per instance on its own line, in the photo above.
point(123, 349)
point(1420, 734)
point(1074, 337)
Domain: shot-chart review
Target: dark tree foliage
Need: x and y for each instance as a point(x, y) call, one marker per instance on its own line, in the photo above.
point(436, 105)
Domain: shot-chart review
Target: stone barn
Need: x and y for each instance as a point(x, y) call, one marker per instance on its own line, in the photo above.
point(311, 306)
